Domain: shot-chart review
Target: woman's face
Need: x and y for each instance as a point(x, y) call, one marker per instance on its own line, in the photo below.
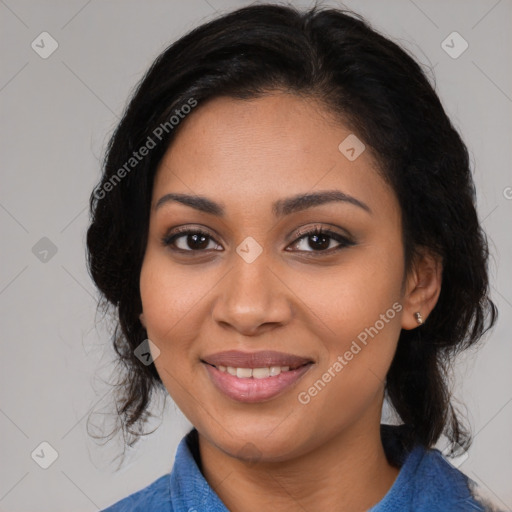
point(255, 284)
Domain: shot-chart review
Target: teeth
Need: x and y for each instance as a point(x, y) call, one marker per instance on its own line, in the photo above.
point(275, 370)
point(244, 373)
point(260, 373)
point(256, 373)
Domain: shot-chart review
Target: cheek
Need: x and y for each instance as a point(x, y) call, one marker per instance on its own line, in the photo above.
point(352, 296)
point(359, 306)
point(350, 380)
point(171, 301)
point(169, 295)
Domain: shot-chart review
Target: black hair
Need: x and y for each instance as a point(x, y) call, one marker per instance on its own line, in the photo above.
point(384, 96)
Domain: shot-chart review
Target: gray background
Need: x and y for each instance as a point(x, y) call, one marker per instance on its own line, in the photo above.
point(57, 114)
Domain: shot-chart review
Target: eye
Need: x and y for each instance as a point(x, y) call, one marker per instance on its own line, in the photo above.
point(190, 240)
point(317, 240)
point(320, 240)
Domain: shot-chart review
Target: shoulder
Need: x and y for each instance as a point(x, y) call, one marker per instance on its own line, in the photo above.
point(441, 486)
point(427, 481)
point(156, 496)
point(183, 488)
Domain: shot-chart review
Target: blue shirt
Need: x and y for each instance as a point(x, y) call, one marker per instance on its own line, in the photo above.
point(426, 483)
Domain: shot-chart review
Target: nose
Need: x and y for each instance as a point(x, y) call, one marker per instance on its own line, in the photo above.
point(252, 299)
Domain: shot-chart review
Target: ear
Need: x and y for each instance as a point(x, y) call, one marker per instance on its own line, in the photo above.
point(423, 286)
point(142, 320)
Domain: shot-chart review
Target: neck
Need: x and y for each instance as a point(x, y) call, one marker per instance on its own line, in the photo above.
point(348, 472)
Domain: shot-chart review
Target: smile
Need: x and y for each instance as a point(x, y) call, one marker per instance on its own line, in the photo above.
point(255, 377)
point(255, 373)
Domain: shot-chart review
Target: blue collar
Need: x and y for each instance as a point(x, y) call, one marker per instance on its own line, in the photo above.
point(426, 483)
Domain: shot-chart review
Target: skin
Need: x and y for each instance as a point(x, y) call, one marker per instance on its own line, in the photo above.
point(280, 454)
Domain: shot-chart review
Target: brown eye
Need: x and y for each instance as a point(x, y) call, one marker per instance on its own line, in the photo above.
point(321, 240)
point(190, 241)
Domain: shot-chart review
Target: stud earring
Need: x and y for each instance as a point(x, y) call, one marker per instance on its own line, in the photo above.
point(418, 317)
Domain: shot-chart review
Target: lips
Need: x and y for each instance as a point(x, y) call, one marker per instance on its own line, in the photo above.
point(255, 376)
point(262, 359)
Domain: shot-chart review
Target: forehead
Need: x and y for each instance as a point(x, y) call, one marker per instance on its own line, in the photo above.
point(264, 148)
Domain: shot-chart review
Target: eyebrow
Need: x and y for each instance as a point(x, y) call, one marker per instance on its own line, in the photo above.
point(280, 208)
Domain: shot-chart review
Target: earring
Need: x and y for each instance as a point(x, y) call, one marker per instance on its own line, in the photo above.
point(418, 317)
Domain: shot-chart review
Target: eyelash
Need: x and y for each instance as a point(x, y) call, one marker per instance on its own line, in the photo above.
point(344, 241)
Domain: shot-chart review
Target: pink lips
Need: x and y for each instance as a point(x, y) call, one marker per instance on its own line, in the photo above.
point(250, 389)
point(255, 359)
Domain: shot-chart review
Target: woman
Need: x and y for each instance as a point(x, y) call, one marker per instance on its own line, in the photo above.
point(286, 229)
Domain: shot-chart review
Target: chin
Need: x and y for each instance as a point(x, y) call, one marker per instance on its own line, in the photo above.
point(253, 444)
